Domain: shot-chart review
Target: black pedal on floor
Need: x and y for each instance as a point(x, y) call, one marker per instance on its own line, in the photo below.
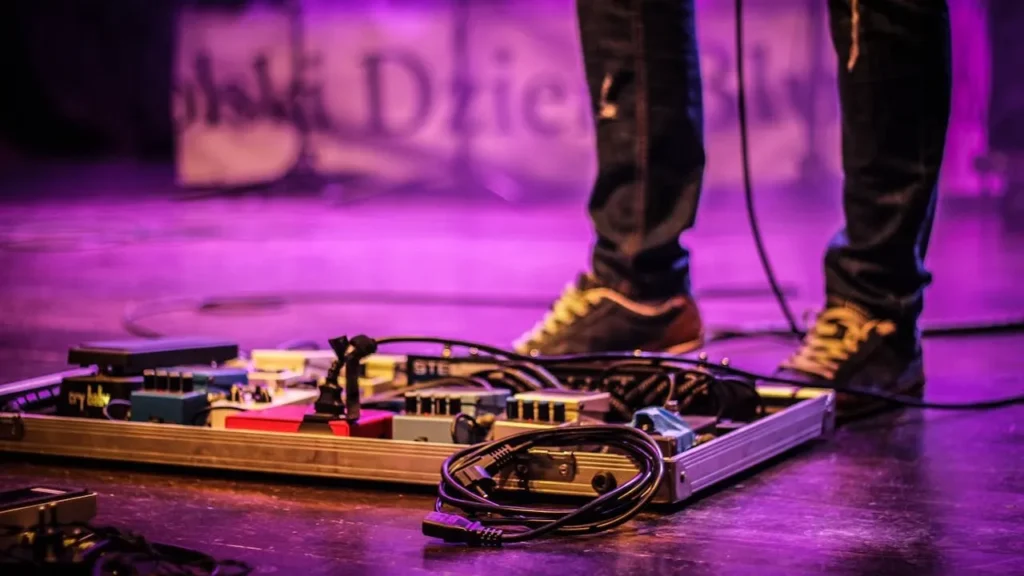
point(20, 509)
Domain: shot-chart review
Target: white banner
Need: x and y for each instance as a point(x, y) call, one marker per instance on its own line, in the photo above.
point(388, 93)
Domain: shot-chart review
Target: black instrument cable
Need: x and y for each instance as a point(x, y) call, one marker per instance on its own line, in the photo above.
point(469, 477)
point(748, 186)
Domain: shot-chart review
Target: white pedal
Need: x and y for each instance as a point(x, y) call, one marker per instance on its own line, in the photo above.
point(220, 409)
point(295, 361)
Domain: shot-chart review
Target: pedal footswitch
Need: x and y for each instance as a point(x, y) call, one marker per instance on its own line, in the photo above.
point(557, 406)
point(189, 378)
point(550, 408)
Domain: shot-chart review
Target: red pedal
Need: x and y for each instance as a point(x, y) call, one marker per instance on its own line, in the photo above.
point(288, 418)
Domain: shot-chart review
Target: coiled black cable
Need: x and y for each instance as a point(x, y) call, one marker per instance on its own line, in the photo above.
point(467, 483)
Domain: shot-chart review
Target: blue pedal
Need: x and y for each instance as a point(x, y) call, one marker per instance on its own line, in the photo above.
point(672, 434)
point(169, 407)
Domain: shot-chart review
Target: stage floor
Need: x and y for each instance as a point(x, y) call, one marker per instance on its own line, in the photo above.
point(905, 493)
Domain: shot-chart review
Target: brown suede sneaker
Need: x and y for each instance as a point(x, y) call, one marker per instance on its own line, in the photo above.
point(590, 317)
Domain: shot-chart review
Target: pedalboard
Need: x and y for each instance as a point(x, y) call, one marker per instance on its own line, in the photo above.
point(193, 403)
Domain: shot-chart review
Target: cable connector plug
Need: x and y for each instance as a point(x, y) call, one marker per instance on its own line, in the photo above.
point(500, 458)
point(476, 478)
point(480, 476)
point(458, 530)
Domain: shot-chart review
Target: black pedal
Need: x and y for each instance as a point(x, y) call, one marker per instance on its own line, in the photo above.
point(89, 396)
point(132, 357)
point(19, 508)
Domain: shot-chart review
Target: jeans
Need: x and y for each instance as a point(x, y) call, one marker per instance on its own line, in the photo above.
point(895, 79)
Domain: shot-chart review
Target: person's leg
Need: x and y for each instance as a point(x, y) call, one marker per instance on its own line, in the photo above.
point(643, 74)
point(895, 81)
point(895, 97)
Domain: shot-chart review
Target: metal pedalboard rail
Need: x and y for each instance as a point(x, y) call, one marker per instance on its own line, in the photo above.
point(811, 416)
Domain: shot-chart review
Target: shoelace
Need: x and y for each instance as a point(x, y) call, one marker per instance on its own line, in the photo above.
point(838, 334)
point(571, 305)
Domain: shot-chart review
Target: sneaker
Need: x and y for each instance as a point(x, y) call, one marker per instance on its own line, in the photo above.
point(846, 347)
point(590, 317)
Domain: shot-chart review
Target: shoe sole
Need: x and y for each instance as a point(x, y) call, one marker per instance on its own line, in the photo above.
point(851, 407)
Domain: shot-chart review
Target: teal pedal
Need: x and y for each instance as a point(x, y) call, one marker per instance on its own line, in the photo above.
point(184, 408)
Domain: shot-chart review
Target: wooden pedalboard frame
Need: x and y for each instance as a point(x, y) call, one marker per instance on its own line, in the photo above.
point(809, 416)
